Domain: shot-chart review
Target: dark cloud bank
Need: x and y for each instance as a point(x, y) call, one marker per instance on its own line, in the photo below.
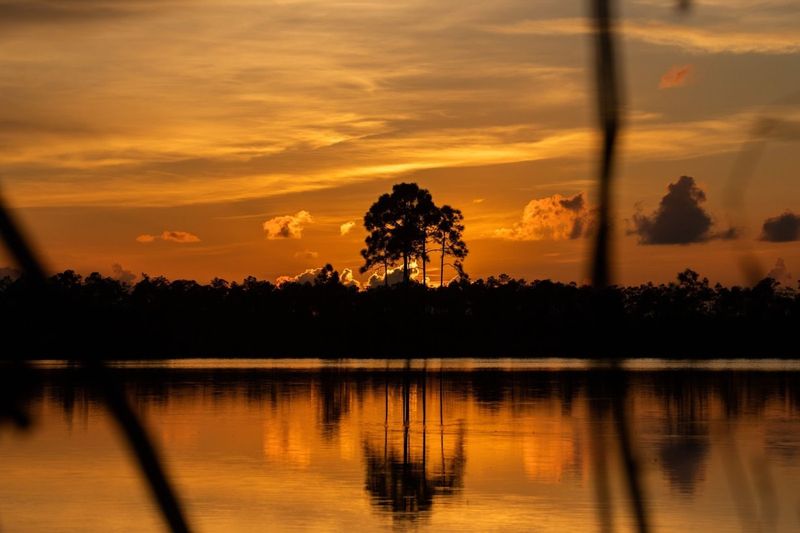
point(679, 219)
point(782, 228)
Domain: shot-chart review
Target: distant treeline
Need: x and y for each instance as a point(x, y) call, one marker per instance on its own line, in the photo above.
point(75, 317)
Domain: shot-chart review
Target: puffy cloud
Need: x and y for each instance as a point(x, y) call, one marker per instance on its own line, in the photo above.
point(287, 226)
point(345, 228)
point(347, 279)
point(782, 228)
point(307, 276)
point(553, 218)
point(306, 254)
point(310, 275)
point(395, 276)
point(679, 219)
point(181, 237)
point(677, 76)
point(120, 274)
point(780, 273)
point(377, 278)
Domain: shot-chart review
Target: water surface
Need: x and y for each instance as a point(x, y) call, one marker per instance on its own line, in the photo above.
point(454, 445)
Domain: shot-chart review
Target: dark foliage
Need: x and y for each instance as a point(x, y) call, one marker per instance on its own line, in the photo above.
point(74, 317)
point(400, 227)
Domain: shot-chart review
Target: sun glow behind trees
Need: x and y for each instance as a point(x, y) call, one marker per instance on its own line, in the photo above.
point(400, 226)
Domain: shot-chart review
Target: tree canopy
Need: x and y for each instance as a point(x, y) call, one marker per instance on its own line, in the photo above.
point(402, 224)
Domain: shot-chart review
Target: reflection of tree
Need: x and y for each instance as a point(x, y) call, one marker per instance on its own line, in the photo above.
point(684, 449)
point(74, 400)
point(398, 483)
point(334, 401)
point(489, 388)
point(402, 481)
point(683, 459)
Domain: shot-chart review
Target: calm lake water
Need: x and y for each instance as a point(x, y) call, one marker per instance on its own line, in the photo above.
point(280, 445)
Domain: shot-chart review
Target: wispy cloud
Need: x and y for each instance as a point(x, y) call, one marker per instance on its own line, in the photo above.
point(307, 255)
point(180, 237)
point(299, 171)
point(341, 96)
point(676, 76)
point(714, 40)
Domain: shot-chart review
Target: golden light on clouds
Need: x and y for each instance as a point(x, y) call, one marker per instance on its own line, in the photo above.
point(552, 218)
point(238, 120)
point(287, 226)
point(310, 275)
point(179, 236)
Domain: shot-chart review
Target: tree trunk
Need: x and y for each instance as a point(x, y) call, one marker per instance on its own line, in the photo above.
point(405, 268)
point(441, 269)
point(424, 278)
point(385, 273)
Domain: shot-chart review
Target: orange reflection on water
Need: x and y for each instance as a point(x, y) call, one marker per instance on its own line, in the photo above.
point(330, 447)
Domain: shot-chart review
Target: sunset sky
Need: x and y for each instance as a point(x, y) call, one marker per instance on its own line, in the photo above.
point(202, 138)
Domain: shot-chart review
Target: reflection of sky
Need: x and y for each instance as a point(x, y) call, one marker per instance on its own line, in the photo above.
point(130, 118)
point(253, 448)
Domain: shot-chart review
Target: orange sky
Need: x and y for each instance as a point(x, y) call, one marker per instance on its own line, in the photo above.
point(162, 136)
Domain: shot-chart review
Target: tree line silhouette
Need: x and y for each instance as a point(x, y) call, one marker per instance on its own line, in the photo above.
point(71, 316)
